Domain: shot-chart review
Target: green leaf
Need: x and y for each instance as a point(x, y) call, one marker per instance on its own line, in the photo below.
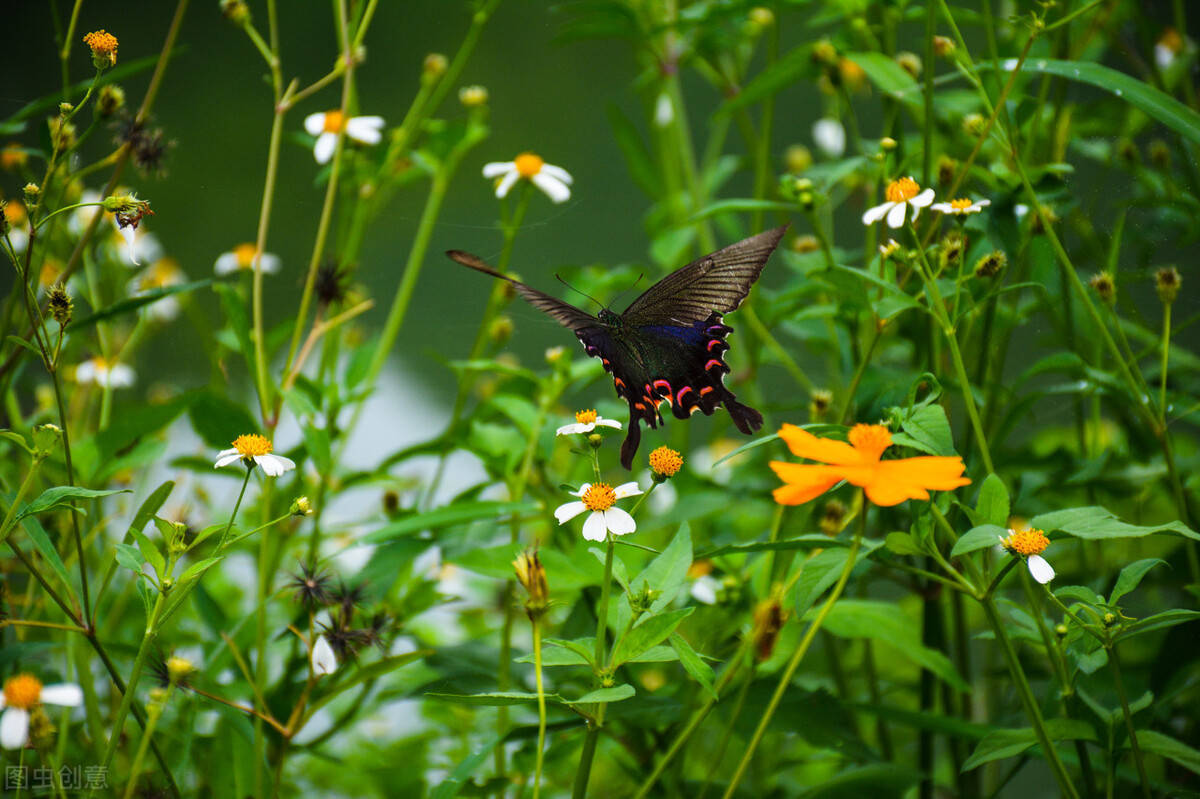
point(888, 76)
point(604, 695)
point(778, 76)
point(1098, 524)
point(585, 648)
point(807, 541)
point(133, 303)
point(981, 537)
point(17, 439)
point(450, 787)
point(651, 631)
point(741, 205)
point(62, 495)
point(1159, 621)
point(235, 311)
point(493, 698)
point(881, 621)
point(458, 513)
point(637, 157)
point(1009, 743)
point(1168, 747)
point(902, 544)
point(41, 542)
point(929, 426)
point(556, 656)
point(993, 503)
point(130, 557)
point(667, 572)
point(878, 781)
point(20, 342)
point(150, 553)
point(1130, 576)
point(822, 571)
point(693, 664)
point(1166, 109)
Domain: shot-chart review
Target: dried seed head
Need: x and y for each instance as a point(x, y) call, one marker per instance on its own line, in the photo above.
point(1166, 283)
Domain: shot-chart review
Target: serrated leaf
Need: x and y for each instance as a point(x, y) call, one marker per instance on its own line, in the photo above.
point(1168, 747)
point(1095, 523)
point(902, 544)
point(62, 495)
point(981, 537)
point(993, 503)
point(693, 664)
point(652, 630)
point(603, 695)
point(1009, 743)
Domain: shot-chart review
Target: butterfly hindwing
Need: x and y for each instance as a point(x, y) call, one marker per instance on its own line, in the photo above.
point(669, 344)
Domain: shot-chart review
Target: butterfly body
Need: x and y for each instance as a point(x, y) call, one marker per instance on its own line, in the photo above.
point(669, 344)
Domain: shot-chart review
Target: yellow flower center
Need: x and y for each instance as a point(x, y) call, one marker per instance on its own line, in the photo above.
point(586, 417)
point(902, 190)
point(14, 212)
point(1026, 541)
point(22, 691)
point(528, 164)
point(161, 274)
point(250, 445)
point(665, 461)
point(334, 121)
point(101, 42)
point(961, 204)
point(699, 568)
point(599, 496)
point(245, 255)
point(870, 439)
point(1171, 40)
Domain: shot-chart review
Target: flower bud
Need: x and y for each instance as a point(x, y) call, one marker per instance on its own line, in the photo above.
point(435, 66)
point(1060, 630)
point(768, 621)
point(111, 100)
point(60, 304)
point(973, 125)
point(887, 144)
point(178, 668)
point(943, 46)
point(104, 48)
point(805, 244)
point(947, 168)
point(910, 63)
point(473, 96)
point(532, 576)
point(235, 11)
point(33, 193)
point(798, 159)
point(1103, 283)
point(991, 264)
point(1166, 283)
point(301, 507)
point(833, 517)
point(819, 401)
point(47, 437)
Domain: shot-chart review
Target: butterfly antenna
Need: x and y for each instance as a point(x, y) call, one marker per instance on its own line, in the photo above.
point(631, 288)
point(577, 291)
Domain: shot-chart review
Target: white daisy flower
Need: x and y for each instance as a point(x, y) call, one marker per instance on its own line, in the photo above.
point(1167, 48)
point(326, 126)
point(21, 694)
point(901, 194)
point(323, 659)
point(604, 519)
point(960, 207)
point(889, 248)
point(242, 257)
point(704, 589)
point(161, 274)
point(254, 449)
point(586, 422)
point(105, 373)
point(554, 181)
point(830, 137)
point(133, 246)
point(1029, 543)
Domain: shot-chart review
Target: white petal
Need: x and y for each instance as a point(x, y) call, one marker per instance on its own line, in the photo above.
point(3, 702)
point(365, 129)
point(627, 490)
point(14, 728)
point(63, 693)
point(503, 187)
point(129, 233)
point(225, 460)
point(323, 659)
point(552, 187)
point(121, 376)
point(497, 168)
point(274, 465)
point(664, 111)
point(315, 124)
point(705, 590)
point(19, 239)
point(323, 149)
point(570, 429)
point(600, 420)
point(942, 208)
point(558, 173)
point(269, 263)
point(582, 490)
point(85, 372)
point(567, 512)
point(594, 528)
point(226, 263)
point(230, 451)
point(1163, 56)
point(981, 203)
point(830, 136)
point(620, 522)
point(873, 215)
point(923, 199)
point(1042, 571)
point(895, 217)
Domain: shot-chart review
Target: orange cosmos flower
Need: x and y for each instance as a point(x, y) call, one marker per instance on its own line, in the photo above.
point(885, 482)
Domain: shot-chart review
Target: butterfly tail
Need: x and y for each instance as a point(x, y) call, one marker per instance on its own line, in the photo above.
point(632, 439)
point(746, 418)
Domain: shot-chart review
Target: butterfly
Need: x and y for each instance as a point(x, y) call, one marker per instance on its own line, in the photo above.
point(669, 344)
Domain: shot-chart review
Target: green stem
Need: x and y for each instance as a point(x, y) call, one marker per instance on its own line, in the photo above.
point(809, 635)
point(1115, 662)
point(1162, 381)
point(9, 523)
point(593, 733)
point(541, 744)
point(153, 712)
point(238, 504)
point(131, 686)
point(1032, 710)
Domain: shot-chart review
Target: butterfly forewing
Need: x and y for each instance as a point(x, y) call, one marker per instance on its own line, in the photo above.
point(715, 283)
point(567, 314)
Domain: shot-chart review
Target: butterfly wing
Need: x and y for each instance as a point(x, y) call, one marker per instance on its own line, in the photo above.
point(716, 283)
point(566, 314)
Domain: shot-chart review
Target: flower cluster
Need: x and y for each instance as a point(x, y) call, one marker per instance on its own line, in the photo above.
point(904, 200)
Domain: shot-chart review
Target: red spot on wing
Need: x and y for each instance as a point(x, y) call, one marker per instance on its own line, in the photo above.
point(714, 342)
point(664, 385)
point(714, 362)
point(706, 390)
point(682, 391)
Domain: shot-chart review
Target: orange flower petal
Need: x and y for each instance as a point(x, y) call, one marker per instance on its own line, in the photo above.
point(803, 482)
point(938, 472)
point(804, 444)
point(889, 493)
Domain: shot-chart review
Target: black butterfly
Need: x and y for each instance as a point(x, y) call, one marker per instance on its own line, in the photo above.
point(668, 344)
